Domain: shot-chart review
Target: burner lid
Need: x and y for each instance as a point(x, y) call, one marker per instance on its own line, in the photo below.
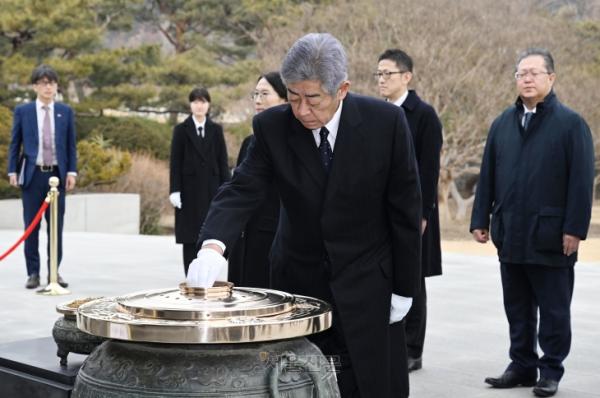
point(221, 314)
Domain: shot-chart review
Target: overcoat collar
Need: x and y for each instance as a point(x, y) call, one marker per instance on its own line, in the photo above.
point(540, 109)
point(411, 102)
point(202, 146)
point(548, 101)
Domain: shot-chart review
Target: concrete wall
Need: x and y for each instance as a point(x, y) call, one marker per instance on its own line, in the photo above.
point(117, 213)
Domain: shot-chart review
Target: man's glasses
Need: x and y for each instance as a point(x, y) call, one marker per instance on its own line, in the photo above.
point(520, 75)
point(386, 74)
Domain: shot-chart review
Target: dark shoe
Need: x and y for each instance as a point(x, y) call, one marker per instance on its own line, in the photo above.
point(545, 388)
point(510, 379)
point(60, 281)
point(414, 363)
point(33, 281)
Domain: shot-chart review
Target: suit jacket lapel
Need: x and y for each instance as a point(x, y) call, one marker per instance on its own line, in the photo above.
point(190, 130)
point(32, 132)
point(348, 143)
point(303, 145)
point(207, 141)
point(59, 124)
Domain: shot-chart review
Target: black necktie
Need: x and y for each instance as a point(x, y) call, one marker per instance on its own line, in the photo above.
point(200, 132)
point(527, 119)
point(325, 150)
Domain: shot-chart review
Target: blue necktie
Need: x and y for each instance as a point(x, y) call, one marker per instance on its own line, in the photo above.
point(325, 150)
point(527, 119)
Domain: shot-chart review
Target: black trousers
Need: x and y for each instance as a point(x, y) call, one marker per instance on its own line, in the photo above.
point(528, 289)
point(415, 324)
point(189, 254)
point(331, 342)
point(332, 345)
point(399, 360)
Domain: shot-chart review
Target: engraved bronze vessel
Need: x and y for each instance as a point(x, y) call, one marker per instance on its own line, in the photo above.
point(67, 335)
point(191, 342)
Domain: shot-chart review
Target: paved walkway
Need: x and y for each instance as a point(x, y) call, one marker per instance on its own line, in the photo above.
point(467, 336)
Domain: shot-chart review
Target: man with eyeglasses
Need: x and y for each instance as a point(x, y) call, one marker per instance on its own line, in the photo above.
point(536, 182)
point(42, 146)
point(350, 219)
point(394, 74)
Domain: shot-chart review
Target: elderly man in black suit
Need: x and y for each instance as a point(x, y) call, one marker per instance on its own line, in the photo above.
point(536, 182)
point(349, 230)
point(394, 74)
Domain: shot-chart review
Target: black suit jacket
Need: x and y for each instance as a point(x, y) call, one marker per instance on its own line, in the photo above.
point(426, 130)
point(351, 238)
point(249, 258)
point(198, 166)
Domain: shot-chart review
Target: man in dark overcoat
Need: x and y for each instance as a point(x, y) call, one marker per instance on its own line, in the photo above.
point(536, 183)
point(349, 230)
point(198, 166)
point(394, 74)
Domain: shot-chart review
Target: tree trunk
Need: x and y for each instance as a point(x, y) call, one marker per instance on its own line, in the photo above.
point(462, 204)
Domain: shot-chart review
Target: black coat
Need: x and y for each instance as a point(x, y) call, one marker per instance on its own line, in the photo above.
point(351, 238)
point(536, 184)
point(426, 130)
point(198, 167)
point(249, 257)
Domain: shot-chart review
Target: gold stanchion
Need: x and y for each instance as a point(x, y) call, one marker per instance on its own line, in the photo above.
point(53, 288)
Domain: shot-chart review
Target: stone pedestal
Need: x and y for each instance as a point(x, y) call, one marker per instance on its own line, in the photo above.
point(30, 368)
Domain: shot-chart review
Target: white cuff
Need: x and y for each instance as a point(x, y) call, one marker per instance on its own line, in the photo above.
point(214, 242)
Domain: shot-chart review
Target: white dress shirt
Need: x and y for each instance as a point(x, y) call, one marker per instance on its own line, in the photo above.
point(401, 100)
point(525, 111)
point(199, 124)
point(332, 126)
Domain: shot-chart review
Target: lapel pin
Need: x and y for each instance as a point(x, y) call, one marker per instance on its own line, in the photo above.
point(59, 115)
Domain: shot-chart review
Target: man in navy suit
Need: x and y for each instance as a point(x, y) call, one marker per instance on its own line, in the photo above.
point(42, 146)
point(350, 219)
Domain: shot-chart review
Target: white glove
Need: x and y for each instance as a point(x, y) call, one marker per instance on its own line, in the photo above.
point(175, 199)
point(400, 307)
point(205, 269)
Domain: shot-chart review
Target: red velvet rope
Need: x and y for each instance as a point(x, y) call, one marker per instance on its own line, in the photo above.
point(28, 231)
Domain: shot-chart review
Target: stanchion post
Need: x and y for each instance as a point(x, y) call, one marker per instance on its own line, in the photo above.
point(53, 288)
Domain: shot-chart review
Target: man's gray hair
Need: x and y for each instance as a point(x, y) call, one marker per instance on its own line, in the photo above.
point(542, 52)
point(316, 56)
